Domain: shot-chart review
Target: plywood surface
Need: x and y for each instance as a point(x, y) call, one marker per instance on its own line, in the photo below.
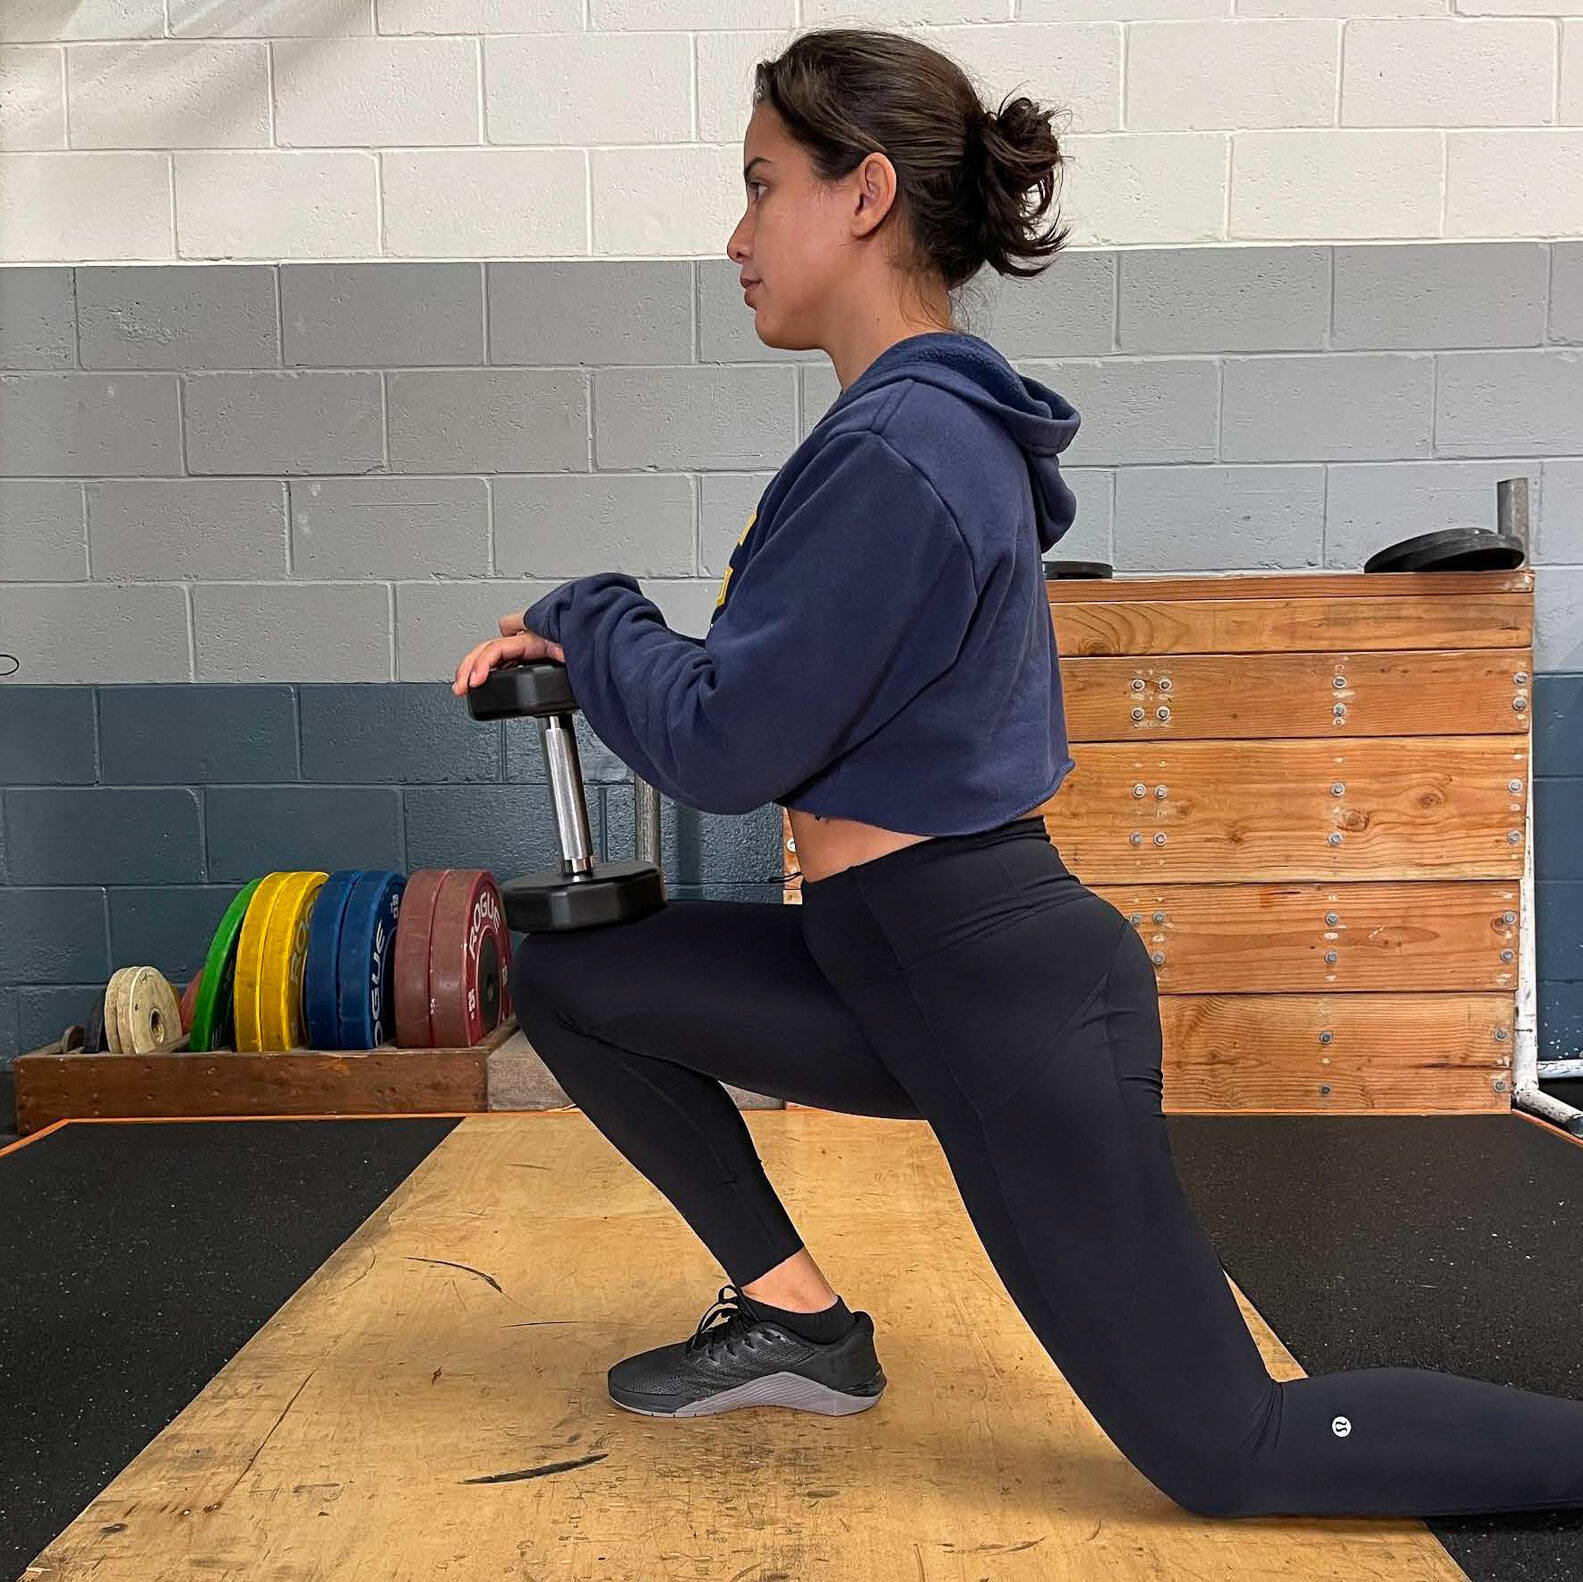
point(1264, 615)
point(1412, 692)
point(431, 1404)
point(1407, 807)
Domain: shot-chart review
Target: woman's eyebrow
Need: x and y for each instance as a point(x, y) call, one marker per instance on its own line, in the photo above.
point(758, 159)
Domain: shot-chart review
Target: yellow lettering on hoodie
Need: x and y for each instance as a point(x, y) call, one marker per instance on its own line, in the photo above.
point(725, 581)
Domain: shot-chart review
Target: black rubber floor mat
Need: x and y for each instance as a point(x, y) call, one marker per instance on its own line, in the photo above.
point(1447, 1242)
point(137, 1260)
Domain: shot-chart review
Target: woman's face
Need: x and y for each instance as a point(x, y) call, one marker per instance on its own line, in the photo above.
point(793, 246)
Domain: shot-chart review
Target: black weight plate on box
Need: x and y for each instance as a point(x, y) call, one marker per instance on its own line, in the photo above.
point(1056, 570)
point(93, 1027)
point(1450, 549)
point(1494, 552)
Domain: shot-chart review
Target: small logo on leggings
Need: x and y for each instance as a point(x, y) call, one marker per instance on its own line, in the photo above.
point(1340, 1427)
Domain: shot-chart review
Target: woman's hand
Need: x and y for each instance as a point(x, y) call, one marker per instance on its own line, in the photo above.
point(514, 643)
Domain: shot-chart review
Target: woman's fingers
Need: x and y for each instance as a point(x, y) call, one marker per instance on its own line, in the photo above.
point(480, 660)
point(484, 657)
point(464, 665)
point(511, 624)
point(490, 655)
point(464, 670)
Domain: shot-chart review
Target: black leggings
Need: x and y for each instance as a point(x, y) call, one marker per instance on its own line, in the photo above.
point(973, 982)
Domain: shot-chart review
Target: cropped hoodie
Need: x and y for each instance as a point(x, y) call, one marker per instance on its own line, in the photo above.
point(881, 646)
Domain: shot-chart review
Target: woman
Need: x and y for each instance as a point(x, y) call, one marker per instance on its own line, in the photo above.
point(881, 661)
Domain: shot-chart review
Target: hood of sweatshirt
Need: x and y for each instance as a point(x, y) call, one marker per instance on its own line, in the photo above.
point(1041, 421)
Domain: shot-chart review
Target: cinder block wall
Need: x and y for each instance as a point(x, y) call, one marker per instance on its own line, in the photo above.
point(329, 332)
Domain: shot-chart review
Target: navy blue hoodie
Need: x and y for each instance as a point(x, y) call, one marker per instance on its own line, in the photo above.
point(881, 648)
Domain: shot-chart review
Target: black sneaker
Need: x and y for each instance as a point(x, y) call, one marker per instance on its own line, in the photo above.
point(747, 1360)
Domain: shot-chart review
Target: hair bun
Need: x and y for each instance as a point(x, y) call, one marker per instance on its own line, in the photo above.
point(1019, 121)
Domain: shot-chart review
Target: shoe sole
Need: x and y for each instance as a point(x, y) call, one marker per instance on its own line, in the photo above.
point(775, 1389)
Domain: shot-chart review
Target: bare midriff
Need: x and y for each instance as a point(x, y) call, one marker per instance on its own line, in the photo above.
point(827, 845)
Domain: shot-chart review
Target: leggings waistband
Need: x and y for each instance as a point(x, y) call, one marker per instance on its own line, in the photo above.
point(904, 858)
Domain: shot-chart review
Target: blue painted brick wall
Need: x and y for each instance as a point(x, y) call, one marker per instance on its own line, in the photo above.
point(1558, 864)
point(131, 815)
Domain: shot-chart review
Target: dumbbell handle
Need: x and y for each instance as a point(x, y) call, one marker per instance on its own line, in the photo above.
point(540, 689)
point(558, 738)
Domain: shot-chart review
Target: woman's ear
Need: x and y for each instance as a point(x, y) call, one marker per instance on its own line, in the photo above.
point(876, 191)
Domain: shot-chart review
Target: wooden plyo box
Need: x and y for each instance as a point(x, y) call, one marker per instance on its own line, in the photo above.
point(170, 1082)
point(1309, 795)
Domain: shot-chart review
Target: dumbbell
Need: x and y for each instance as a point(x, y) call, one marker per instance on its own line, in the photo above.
point(585, 892)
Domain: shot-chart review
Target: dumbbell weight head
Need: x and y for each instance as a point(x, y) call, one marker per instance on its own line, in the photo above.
point(586, 892)
point(609, 892)
point(509, 692)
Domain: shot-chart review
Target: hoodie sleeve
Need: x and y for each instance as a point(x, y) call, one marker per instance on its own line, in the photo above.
point(859, 597)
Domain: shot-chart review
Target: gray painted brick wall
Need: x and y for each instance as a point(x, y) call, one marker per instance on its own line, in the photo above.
point(315, 472)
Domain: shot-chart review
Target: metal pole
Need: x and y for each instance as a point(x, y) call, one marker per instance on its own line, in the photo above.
point(648, 822)
point(1511, 512)
point(1511, 509)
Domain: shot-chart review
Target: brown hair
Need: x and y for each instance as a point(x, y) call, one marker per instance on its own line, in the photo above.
point(963, 173)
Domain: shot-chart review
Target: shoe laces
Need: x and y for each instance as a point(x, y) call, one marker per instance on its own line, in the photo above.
point(734, 1323)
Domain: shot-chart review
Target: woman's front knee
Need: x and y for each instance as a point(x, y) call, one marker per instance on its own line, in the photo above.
point(544, 981)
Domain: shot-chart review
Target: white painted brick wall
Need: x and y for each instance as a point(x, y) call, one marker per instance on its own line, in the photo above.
point(1462, 71)
point(168, 95)
point(269, 18)
point(48, 19)
point(650, 202)
point(32, 97)
point(376, 93)
point(1201, 76)
point(87, 207)
point(589, 89)
point(1571, 107)
point(409, 129)
point(1357, 185)
point(479, 204)
point(1171, 187)
point(276, 203)
point(1497, 179)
